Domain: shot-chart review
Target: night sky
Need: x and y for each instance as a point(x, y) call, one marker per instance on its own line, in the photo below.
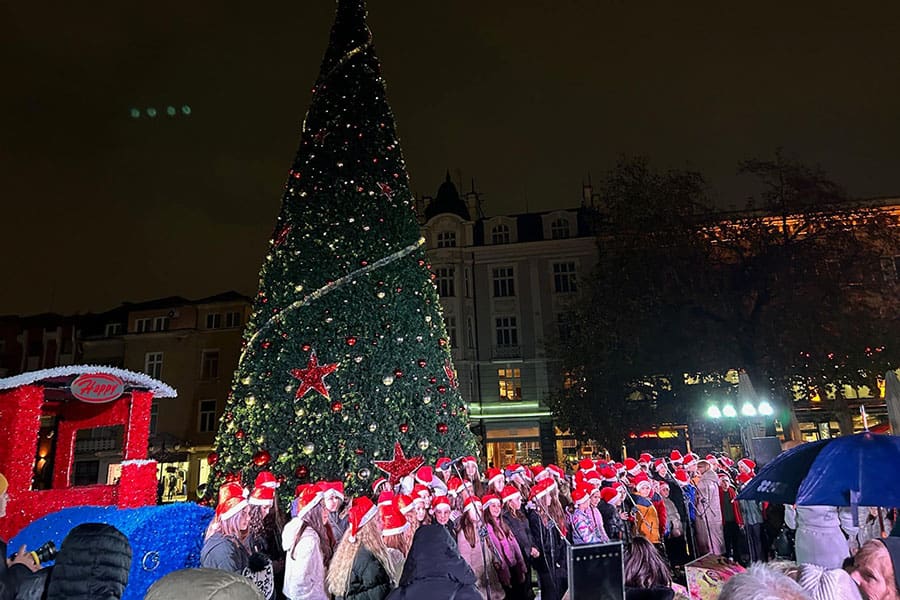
point(527, 97)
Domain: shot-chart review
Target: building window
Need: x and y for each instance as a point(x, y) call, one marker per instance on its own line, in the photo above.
point(154, 415)
point(153, 362)
point(143, 325)
point(450, 321)
point(160, 323)
point(209, 364)
point(507, 332)
point(470, 333)
point(446, 239)
point(504, 282)
point(214, 321)
point(112, 329)
point(564, 277)
point(207, 421)
point(444, 277)
point(564, 326)
point(510, 384)
point(233, 319)
point(559, 229)
point(500, 234)
point(890, 267)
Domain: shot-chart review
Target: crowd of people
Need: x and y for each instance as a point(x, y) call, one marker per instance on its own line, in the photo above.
point(507, 525)
point(449, 531)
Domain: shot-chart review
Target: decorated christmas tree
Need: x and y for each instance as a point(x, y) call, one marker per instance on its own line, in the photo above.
point(346, 352)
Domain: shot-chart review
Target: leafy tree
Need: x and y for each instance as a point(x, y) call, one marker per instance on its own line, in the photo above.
point(788, 289)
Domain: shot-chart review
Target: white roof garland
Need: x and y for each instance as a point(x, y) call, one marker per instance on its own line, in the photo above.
point(159, 389)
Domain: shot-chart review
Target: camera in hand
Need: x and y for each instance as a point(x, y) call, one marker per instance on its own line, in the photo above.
point(45, 553)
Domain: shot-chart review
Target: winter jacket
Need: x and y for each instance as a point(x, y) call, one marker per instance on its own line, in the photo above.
point(612, 522)
point(710, 535)
point(12, 578)
point(486, 576)
point(522, 530)
point(224, 552)
point(368, 578)
point(585, 529)
point(646, 520)
point(92, 564)
point(435, 570)
point(304, 571)
point(822, 533)
point(203, 584)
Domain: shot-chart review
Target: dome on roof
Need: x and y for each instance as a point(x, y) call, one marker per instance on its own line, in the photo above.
point(447, 201)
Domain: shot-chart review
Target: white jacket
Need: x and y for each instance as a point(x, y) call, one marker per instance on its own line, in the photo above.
point(304, 569)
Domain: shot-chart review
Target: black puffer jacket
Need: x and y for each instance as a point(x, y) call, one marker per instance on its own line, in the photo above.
point(92, 564)
point(368, 579)
point(434, 569)
point(11, 579)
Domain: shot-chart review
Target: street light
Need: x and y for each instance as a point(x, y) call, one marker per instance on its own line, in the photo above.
point(728, 411)
point(713, 412)
point(765, 409)
point(748, 410)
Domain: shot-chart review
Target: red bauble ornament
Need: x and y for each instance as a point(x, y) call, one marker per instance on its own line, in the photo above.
point(305, 347)
point(442, 389)
point(442, 342)
point(442, 428)
point(239, 434)
point(404, 427)
point(265, 345)
point(398, 372)
point(302, 471)
point(337, 406)
point(262, 458)
point(422, 362)
point(281, 479)
point(432, 380)
point(212, 458)
point(351, 341)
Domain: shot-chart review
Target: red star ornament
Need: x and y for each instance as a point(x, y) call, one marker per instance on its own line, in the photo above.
point(451, 375)
point(399, 467)
point(313, 376)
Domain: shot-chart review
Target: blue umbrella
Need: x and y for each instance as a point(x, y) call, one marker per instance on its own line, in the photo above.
point(852, 470)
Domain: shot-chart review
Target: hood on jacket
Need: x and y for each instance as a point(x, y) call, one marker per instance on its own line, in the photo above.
point(203, 584)
point(434, 555)
point(92, 564)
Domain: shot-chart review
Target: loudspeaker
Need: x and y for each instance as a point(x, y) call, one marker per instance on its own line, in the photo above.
point(596, 571)
point(763, 450)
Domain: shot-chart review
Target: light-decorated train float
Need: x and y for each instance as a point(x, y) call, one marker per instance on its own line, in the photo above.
point(45, 416)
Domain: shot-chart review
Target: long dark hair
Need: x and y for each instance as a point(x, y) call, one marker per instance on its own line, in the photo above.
point(501, 529)
point(644, 567)
point(313, 520)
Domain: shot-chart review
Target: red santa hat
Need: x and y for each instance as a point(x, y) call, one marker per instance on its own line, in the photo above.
point(620, 468)
point(608, 493)
point(440, 502)
point(425, 475)
point(681, 477)
point(541, 489)
point(675, 457)
point(540, 473)
point(645, 458)
point(232, 500)
point(332, 488)
point(472, 503)
point(265, 479)
point(641, 481)
point(689, 459)
point(631, 466)
point(514, 469)
point(585, 464)
point(743, 478)
point(385, 497)
point(490, 499)
point(420, 491)
point(726, 462)
point(556, 471)
point(454, 486)
point(510, 493)
point(443, 464)
point(608, 473)
point(745, 465)
point(494, 475)
point(378, 483)
point(307, 499)
point(393, 521)
point(402, 503)
point(581, 494)
point(362, 510)
point(593, 478)
point(469, 460)
point(262, 496)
